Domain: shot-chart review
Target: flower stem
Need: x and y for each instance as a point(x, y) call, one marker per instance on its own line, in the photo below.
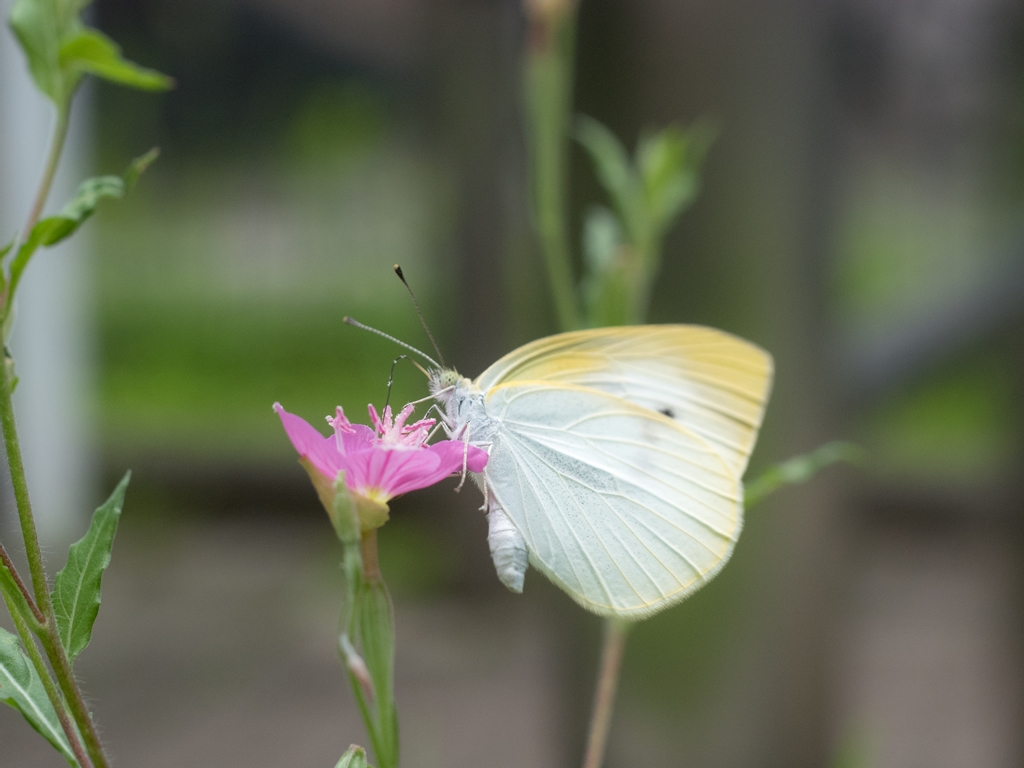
point(368, 550)
point(25, 518)
point(615, 631)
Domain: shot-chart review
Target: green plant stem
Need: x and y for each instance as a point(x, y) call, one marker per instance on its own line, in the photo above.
point(613, 648)
point(25, 518)
point(48, 635)
point(60, 133)
point(51, 690)
point(9, 564)
point(548, 86)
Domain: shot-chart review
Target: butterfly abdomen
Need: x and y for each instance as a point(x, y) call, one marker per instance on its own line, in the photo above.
point(508, 548)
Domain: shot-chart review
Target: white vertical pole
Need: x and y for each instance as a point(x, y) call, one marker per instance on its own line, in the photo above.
point(52, 336)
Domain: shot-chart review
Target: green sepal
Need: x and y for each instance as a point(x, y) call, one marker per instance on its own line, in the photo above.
point(799, 469)
point(76, 590)
point(60, 50)
point(344, 515)
point(22, 688)
point(354, 757)
point(370, 667)
point(92, 52)
point(15, 599)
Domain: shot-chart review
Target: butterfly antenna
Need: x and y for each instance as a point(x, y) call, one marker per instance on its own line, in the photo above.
point(424, 355)
point(398, 271)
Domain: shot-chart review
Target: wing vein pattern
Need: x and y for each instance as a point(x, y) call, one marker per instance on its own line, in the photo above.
point(625, 509)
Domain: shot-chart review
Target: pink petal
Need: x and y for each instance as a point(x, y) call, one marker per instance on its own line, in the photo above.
point(361, 438)
point(310, 444)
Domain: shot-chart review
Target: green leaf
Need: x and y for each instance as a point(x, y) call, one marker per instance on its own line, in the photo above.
point(60, 49)
point(6, 249)
point(93, 52)
point(42, 27)
point(800, 469)
point(53, 229)
point(355, 757)
point(610, 280)
point(137, 166)
point(669, 163)
point(21, 688)
point(76, 590)
point(14, 598)
point(616, 173)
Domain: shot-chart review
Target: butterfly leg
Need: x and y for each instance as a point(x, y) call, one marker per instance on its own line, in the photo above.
point(465, 459)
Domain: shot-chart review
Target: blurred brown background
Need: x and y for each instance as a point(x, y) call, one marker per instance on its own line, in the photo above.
point(861, 217)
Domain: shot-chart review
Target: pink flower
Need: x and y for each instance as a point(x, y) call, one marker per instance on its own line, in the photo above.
point(380, 463)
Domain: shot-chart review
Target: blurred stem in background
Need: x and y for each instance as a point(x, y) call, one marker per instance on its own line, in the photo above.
point(548, 78)
point(622, 247)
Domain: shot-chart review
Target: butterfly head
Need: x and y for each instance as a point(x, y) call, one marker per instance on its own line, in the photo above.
point(443, 382)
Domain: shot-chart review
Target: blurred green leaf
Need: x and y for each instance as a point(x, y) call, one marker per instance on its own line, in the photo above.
point(21, 688)
point(53, 229)
point(92, 52)
point(14, 598)
point(602, 238)
point(616, 173)
point(800, 469)
point(669, 163)
point(137, 167)
point(42, 27)
point(355, 757)
point(60, 50)
point(76, 590)
point(610, 281)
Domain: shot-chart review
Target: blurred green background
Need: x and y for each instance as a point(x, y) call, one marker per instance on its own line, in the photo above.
point(860, 217)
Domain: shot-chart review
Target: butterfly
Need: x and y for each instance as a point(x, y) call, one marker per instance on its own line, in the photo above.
point(615, 458)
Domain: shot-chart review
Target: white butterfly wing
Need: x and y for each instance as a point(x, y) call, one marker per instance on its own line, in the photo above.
point(623, 508)
point(711, 382)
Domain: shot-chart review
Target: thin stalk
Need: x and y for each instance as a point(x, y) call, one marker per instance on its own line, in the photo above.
point(548, 85)
point(48, 636)
point(28, 524)
point(6, 560)
point(51, 641)
point(368, 551)
point(615, 631)
point(69, 686)
point(51, 691)
point(60, 133)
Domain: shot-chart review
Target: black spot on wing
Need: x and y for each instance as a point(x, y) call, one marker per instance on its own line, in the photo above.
point(667, 412)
